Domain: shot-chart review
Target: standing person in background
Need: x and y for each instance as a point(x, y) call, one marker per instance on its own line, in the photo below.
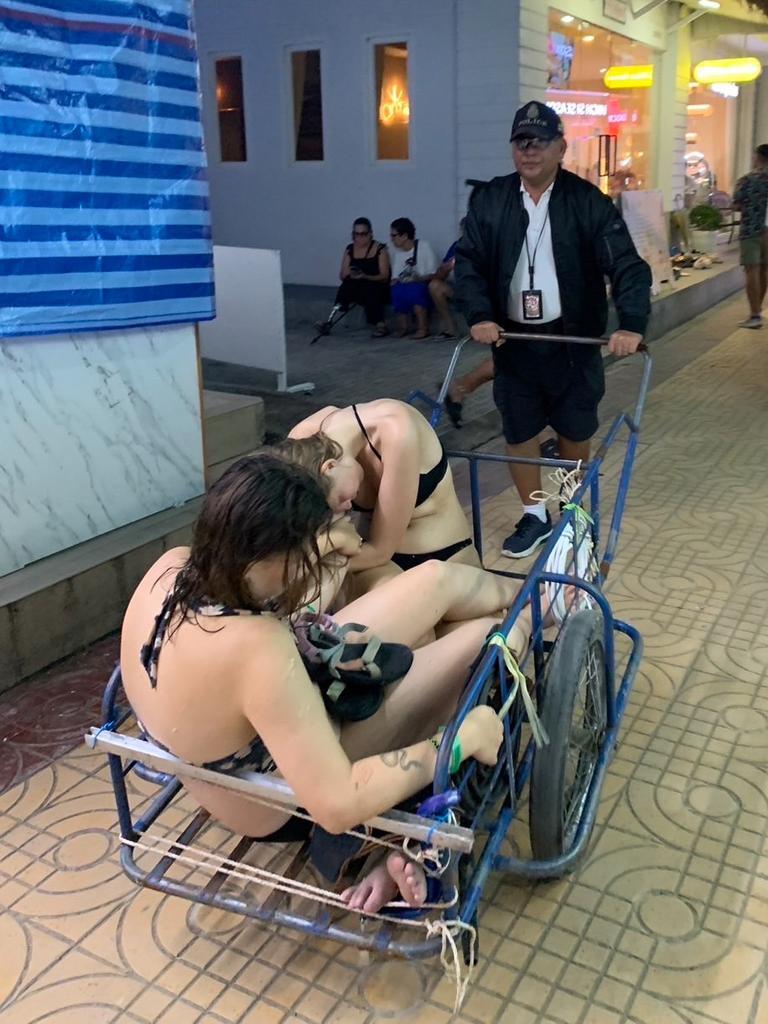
point(413, 266)
point(751, 199)
point(537, 247)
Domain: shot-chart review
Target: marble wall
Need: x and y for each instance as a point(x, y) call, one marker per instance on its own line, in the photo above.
point(96, 431)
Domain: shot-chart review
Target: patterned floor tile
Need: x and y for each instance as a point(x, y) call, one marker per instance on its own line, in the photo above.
point(666, 919)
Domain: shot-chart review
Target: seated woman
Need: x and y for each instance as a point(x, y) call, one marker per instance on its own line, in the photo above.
point(389, 462)
point(364, 276)
point(413, 265)
point(210, 666)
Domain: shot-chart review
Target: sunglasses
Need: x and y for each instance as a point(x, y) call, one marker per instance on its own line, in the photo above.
point(361, 232)
point(394, 234)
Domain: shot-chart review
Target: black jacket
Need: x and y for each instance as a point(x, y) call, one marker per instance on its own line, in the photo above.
point(590, 242)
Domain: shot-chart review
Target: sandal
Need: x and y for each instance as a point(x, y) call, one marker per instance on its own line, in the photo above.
point(351, 694)
point(380, 332)
point(421, 335)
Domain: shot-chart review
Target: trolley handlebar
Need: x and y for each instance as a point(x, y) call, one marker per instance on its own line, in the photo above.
point(569, 339)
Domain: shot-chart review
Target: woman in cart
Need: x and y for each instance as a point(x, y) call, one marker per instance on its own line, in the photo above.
point(384, 460)
point(212, 664)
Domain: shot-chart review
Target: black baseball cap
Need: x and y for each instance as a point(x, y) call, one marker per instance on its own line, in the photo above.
point(536, 120)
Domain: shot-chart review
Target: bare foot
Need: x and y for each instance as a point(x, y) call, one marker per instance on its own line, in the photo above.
point(409, 878)
point(382, 884)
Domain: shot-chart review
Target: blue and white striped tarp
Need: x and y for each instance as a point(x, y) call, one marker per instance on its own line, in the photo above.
point(104, 218)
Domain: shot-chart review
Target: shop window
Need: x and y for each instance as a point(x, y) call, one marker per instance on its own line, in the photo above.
point(600, 84)
point(710, 136)
point(229, 100)
point(393, 109)
point(307, 105)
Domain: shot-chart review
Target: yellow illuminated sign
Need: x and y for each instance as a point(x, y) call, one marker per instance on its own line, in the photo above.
point(736, 69)
point(631, 76)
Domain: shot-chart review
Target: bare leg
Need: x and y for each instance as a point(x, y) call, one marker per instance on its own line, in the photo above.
point(441, 293)
point(422, 322)
point(754, 296)
point(426, 697)
point(574, 451)
point(526, 479)
point(763, 283)
point(402, 324)
point(463, 386)
point(405, 608)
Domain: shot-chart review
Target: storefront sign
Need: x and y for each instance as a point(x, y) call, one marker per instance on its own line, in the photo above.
point(615, 9)
point(567, 109)
point(738, 69)
point(629, 76)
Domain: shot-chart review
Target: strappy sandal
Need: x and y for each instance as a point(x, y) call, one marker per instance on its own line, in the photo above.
point(350, 694)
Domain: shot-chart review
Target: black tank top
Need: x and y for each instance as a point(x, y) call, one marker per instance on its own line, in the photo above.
point(368, 264)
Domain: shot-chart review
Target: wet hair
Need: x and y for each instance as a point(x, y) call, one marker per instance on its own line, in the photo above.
point(403, 226)
point(762, 153)
point(365, 222)
point(310, 453)
point(262, 506)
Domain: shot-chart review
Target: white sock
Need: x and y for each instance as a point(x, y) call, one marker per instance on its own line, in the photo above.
point(539, 510)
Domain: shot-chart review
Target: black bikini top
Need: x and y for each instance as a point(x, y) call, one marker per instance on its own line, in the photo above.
point(428, 481)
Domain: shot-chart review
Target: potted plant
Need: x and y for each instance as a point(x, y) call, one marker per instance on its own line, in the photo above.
point(705, 223)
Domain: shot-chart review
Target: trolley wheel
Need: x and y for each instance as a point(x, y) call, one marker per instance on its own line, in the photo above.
point(574, 715)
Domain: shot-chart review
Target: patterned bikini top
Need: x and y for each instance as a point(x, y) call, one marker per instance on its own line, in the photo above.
point(254, 755)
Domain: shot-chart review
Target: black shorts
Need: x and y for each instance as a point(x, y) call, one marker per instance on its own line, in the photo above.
point(554, 388)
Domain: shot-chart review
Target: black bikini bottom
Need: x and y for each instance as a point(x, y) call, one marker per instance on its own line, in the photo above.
point(411, 561)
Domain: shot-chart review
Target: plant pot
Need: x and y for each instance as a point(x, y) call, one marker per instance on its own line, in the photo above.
point(704, 241)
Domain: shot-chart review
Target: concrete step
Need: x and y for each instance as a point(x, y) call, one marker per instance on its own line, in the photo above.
point(234, 426)
point(61, 604)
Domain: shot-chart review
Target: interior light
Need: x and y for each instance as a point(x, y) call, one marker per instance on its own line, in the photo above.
point(603, 70)
point(587, 39)
point(630, 76)
point(699, 109)
point(709, 5)
point(734, 69)
point(727, 89)
point(567, 19)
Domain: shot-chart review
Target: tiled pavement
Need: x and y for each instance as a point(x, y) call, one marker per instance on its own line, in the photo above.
point(666, 922)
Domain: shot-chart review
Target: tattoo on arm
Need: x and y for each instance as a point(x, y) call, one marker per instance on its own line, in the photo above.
point(399, 759)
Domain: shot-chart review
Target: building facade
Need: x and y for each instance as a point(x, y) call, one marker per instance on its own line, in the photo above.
point(317, 113)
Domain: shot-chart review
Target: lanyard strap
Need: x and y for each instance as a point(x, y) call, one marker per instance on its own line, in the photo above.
point(532, 259)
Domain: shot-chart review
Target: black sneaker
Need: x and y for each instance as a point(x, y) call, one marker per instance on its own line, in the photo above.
point(529, 533)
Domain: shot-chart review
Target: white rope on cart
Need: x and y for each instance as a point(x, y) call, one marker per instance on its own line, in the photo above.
point(573, 554)
point(449, 953)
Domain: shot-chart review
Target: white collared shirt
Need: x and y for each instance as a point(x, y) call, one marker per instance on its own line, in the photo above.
point(545, 275)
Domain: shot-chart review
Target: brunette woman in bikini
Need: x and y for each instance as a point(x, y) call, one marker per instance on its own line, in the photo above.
point(210, 665)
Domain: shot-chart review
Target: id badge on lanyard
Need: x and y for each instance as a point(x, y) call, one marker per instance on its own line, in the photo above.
point(533, 302)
